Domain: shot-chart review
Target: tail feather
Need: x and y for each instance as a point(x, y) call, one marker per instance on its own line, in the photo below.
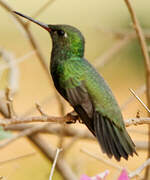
point(112, 146)
point(126, 144)
point(113, 140)
point(103, 138)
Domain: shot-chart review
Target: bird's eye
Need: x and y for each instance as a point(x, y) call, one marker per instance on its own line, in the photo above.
point(60, 32)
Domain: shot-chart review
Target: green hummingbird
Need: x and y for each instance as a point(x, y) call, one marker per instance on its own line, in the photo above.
point(86, 90)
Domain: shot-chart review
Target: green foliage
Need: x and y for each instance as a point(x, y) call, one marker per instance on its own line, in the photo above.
point(4, 134)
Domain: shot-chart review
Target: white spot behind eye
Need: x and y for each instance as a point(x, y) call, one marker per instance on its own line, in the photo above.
point(65, 35)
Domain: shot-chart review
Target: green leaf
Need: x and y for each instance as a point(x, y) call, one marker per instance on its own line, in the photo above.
point(4, 134)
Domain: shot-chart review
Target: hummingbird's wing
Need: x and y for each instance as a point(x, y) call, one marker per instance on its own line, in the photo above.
point(113, 141)
point(92, 99)
point(79, 98)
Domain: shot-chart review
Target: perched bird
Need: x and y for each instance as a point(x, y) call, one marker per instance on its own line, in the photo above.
point(86, 90)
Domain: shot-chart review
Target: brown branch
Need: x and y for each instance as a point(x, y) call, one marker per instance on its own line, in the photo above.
point(69, 132)
point(53, 129)
point(45, 118)
point(28, 33)
point(32, 40)
point(147, 65)
point(140, 35)
point(48, 151)
point(35, 138)
point(137, 121)
point(61, 120)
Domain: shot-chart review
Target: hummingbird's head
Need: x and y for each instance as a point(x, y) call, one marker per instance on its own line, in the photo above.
point(67, 40)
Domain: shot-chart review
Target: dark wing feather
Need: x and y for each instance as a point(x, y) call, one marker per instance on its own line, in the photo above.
point(113, 141)
point(81, 101)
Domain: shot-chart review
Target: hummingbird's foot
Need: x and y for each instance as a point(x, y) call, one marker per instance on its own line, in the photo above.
point(80, 121)
point(72, 117)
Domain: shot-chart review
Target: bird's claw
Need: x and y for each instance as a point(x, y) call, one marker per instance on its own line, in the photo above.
point(71, 118)
point(80, 121)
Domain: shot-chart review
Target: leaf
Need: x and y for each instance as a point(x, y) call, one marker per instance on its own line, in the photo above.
point(4, 134)
point(123, 175)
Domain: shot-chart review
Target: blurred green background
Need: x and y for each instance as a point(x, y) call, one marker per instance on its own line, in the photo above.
point(97, 20)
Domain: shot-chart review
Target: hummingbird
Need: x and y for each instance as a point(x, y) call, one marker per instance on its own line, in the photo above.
point(85, 89)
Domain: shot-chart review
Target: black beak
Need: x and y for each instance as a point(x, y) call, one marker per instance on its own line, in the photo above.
point(45, 26)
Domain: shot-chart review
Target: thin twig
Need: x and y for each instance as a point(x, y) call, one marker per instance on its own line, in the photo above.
point(45, 101)
point(139, 91)
point(53, 129)
point(40, 10)
point(44, 118)
point(16, 158)
point(143, 104)
point(139, 169)
point(49, 151)
point(28, 32)
point(137, 121)
point(140, 35)
point(9, 104)
point(18, 120)
point(36, 139)
point(39, 108)
point(117, 46)
point(61, 120)
point(144, 49)
point(54, 163)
